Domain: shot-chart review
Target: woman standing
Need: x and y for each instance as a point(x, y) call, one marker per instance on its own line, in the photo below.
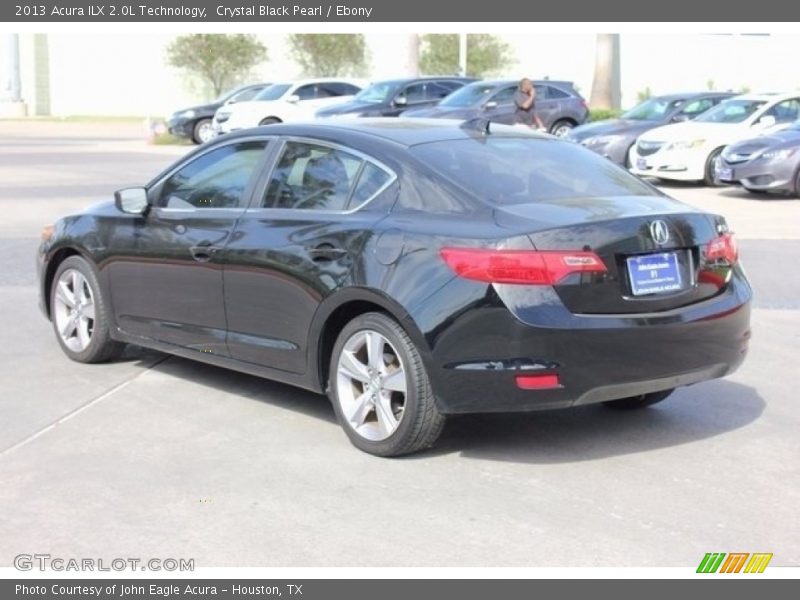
point(525, 102)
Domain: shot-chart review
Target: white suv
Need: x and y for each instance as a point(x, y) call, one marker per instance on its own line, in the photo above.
point(287, 101)
point(689, 151)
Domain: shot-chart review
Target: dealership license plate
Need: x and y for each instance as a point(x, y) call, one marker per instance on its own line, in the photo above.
point(641, 164)
point(725, 174)
point(654, 273)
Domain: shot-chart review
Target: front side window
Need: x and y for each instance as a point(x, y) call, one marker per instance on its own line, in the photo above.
point(730, 111)
point(216, 179)
point(785, 112)
point(414, 93)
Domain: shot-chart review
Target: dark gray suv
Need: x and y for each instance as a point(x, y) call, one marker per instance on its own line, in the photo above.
point(558, 104)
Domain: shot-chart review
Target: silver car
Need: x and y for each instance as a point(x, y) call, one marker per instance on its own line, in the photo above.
point(769, 163)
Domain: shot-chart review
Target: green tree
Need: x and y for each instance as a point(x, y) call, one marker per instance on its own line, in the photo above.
point(329, 54)
point(486, 54)
point(219, 60)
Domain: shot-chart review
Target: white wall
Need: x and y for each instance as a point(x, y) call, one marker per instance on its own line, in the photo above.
point(126, 74)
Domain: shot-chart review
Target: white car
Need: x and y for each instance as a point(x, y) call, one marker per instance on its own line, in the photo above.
point(287, 101)
point(689, 151)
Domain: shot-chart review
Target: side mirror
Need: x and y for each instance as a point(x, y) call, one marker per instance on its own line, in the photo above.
point(766, 121)
point(293, 99)
point(490, 104)
point(132, 201)
point(681, 118)
point(401, 101)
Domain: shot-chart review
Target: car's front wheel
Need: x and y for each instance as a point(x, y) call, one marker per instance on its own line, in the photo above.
point(203, 131)
point(710, 177)
point(380, 389)
point(640, 401)
point(80, 313)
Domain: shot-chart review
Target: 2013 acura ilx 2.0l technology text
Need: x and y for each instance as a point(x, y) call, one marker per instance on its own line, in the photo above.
point(411, 269)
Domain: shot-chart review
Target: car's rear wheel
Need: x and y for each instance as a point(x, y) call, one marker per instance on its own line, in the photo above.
point(562, 128)
point(80, 313)
point(270, 121)
point(380, 389)
point(203, 131)
point(711, 166)
point(640, 401)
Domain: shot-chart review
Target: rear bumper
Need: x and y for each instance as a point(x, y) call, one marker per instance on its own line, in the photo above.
point(477, 357)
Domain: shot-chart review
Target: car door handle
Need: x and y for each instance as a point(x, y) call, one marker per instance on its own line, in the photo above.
point(326, 253)
point(203, 253)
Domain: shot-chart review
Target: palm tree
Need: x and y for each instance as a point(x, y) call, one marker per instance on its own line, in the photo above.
point(412, 64)
point(606, 92)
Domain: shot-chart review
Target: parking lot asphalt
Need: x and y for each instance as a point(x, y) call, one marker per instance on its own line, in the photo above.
point(155, 456)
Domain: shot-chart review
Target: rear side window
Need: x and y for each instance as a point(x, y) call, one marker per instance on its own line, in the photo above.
point(528, 170)
point(554, 93)
point(371, 180)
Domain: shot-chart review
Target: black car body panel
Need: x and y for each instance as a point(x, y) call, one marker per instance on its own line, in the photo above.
point(265, 290)
point(430, 91)
point(613, 138)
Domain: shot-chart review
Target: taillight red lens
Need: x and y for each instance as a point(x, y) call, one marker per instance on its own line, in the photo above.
point(527, 267)
point(722, 248)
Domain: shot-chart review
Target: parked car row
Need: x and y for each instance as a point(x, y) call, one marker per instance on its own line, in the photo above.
point(752, 139)
point(558, 103)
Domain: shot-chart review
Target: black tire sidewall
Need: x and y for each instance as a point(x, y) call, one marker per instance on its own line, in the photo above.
point(709, 176)
point(385, 326)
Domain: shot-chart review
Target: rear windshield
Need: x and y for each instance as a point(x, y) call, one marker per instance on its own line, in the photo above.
point(524, 170)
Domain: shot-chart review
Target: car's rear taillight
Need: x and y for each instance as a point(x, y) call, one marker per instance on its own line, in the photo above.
point(722, 248)
point(527, 267)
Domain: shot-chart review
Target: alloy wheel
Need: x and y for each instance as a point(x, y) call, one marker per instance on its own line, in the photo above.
point(74, 310)
point(371, 385)
point(205, 132)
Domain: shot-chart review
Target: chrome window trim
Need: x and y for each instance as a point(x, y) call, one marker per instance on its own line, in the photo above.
point(335, 146)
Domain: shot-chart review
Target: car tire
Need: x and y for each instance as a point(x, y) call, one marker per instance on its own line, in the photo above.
point(562, 128)
point(269, 121)
point(709, 178)
point(80, 313)
point(797, 183)
point(203, 131)
point(380, 389)
point(641, 401)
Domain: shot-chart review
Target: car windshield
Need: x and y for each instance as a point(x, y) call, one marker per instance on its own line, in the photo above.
point(469, 95)
point(731, 111)
point(273, 92)
point(523, 170)
point(654, 109)
point(377, 93)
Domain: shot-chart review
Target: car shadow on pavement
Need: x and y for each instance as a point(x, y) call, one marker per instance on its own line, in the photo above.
point(542, 437)
point(743, 194)
point(596, 432)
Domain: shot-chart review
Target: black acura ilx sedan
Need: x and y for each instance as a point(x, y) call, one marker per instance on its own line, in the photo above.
point(409, 269)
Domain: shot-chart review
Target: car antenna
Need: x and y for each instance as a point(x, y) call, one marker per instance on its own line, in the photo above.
point(477, 124)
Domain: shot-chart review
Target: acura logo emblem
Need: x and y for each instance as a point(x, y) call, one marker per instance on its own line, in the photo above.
point(659, 232)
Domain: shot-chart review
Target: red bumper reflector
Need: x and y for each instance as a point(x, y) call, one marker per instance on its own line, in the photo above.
point(537, 382)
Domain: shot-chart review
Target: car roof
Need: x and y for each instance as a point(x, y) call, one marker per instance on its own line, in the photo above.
point(312, 80)
point(769, 96)
point(405, 132)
